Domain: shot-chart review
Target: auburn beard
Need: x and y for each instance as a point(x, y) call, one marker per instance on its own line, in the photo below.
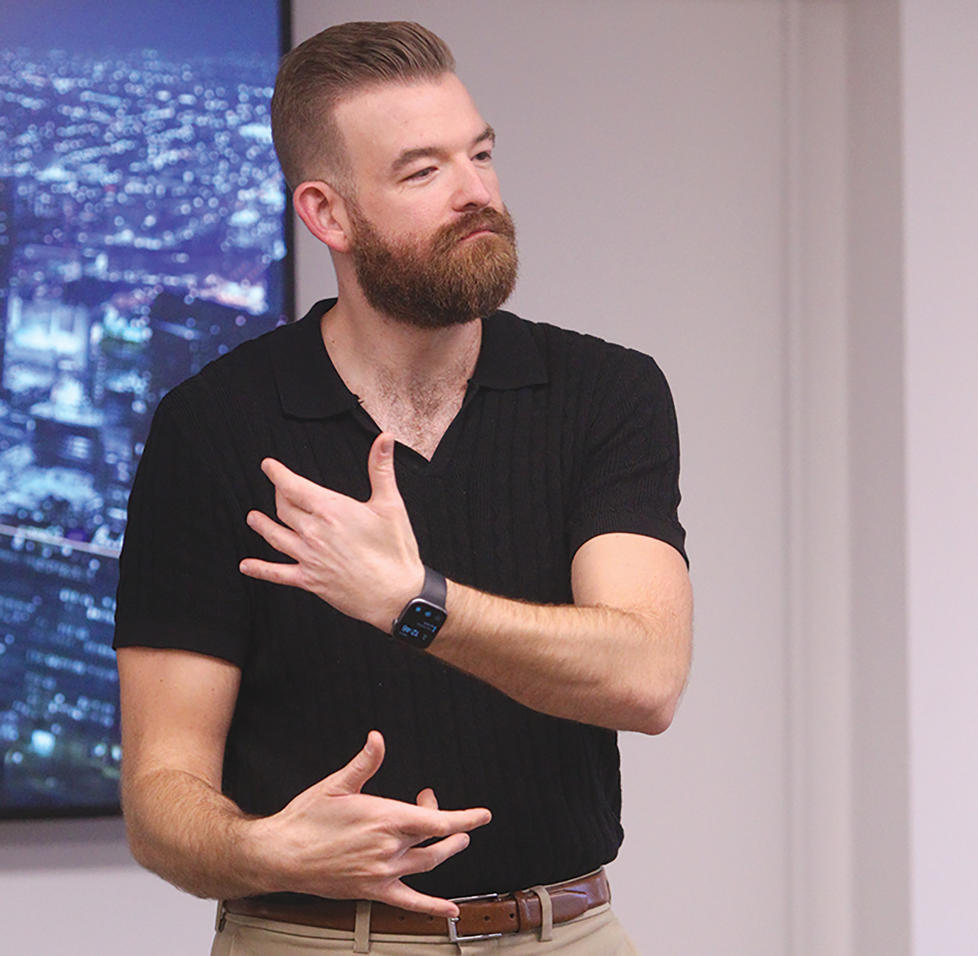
point(448, 280)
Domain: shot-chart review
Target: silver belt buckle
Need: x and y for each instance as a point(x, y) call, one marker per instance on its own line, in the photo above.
point(453, 936)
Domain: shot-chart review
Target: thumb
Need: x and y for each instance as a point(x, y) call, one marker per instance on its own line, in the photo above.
point(352, 777)
point(380, 469)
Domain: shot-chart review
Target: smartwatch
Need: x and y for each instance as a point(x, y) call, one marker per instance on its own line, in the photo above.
point(423, 617)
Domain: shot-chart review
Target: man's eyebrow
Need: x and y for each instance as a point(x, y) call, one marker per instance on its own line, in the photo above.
point(409, 156)
point(487, 134)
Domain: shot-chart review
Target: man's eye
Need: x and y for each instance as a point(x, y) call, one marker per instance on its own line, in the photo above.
point(422, 173)
point(485, 156)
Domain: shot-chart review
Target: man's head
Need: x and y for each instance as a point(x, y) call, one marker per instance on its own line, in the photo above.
point(397, 176)
point(333, 65)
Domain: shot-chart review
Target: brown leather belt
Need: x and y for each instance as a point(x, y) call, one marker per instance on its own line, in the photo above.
point(489, 915)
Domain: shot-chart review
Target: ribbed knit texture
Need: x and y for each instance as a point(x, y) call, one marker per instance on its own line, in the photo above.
point(561, 437)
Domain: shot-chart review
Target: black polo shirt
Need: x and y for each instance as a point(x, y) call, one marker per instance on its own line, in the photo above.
point(561, 437)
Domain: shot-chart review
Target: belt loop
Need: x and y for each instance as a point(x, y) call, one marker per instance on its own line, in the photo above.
point(546, 913)
point(361, 928)
point(221, 918)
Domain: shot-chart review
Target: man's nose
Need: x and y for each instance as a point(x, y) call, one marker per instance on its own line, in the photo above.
point(472, 191)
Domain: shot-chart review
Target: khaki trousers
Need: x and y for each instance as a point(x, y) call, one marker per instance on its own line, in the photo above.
point(595, 933)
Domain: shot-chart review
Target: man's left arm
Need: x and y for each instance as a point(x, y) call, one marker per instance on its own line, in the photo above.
point(618, 657)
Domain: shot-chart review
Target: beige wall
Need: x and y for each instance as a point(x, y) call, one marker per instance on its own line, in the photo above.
point(762, 194)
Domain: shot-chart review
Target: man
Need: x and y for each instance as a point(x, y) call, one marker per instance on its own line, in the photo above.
point(411, 530)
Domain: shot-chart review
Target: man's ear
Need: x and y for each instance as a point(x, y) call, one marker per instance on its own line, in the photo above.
point(323, 210)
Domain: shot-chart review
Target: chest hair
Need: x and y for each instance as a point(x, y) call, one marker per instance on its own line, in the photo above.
point(417, 412)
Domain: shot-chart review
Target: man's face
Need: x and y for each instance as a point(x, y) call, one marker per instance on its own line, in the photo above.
point(432, 243)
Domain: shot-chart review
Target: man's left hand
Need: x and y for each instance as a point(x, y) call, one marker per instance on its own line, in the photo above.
point(359, 556)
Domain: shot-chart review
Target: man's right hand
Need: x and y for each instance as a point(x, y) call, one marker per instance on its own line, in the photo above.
point(334, 841)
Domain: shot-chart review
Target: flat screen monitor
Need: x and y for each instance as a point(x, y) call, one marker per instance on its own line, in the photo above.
point(142, 234)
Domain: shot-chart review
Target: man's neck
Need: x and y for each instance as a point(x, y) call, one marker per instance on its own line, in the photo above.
point(368, 346)
point(410, 380)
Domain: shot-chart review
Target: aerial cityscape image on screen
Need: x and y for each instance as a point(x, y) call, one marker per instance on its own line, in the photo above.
point(141, 236)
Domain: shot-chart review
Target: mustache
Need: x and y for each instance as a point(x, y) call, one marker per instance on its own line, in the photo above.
point(489, 219)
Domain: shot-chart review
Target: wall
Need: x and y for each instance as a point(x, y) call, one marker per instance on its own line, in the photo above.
point(940, 130)
point(877, 534)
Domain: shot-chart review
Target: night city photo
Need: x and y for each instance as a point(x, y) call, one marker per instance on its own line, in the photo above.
point(141, 235)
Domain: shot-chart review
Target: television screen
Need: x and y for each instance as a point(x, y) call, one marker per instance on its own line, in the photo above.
point(142, 234)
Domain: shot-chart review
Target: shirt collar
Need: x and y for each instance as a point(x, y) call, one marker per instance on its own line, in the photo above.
point(310, 387)
point(308, 384)
point(509, 356)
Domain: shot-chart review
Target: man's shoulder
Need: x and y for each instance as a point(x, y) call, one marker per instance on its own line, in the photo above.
point(567, 351)
point(245, 373)
point(237, 366)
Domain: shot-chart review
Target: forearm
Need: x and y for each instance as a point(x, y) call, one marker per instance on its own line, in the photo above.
point(600, 665)
point(194, 837)
point(617, 657)
point(330, 840)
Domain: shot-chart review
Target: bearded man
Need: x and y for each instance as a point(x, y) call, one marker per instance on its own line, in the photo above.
point(408, 553)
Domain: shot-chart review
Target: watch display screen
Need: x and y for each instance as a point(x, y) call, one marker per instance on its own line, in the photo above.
point(420, 622)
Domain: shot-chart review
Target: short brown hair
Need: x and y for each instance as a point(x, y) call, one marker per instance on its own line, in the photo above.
point(337, 62)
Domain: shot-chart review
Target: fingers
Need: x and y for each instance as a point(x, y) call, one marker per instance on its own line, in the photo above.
point(301, 493)
point(424, 823)
point(398, 894)
point(428, 799)
point(290, 574)
point(380, 469)
point(352, 777)
point(281, 538)
point(421, 859)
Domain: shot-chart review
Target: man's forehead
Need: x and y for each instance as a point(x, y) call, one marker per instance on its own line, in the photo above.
point(393, 117)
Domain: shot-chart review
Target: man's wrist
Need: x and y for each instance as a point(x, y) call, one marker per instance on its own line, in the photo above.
point(422, 617)
point(264, 856)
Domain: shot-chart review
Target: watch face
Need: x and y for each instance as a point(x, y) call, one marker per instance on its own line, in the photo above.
point(419, 623)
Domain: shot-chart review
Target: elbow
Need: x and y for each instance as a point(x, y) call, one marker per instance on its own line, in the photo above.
point(659, 719)
point(139, 847)
point(656, 684)
point(141, 852)
point(654, 706)
point(655, 716)
point(139, 831)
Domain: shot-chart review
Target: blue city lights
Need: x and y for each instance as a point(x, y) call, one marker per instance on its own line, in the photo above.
point(141, 235)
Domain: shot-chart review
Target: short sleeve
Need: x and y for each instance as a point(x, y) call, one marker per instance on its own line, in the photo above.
point(630, 472)
point(179, 583)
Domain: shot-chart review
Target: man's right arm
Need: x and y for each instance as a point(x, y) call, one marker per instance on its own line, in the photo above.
point(331, 840)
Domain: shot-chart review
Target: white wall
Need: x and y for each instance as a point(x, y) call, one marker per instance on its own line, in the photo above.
point(70, 886)
point(940, 123)
point(764, 195)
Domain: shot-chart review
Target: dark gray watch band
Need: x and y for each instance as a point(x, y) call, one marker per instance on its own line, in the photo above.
point(435, 588)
